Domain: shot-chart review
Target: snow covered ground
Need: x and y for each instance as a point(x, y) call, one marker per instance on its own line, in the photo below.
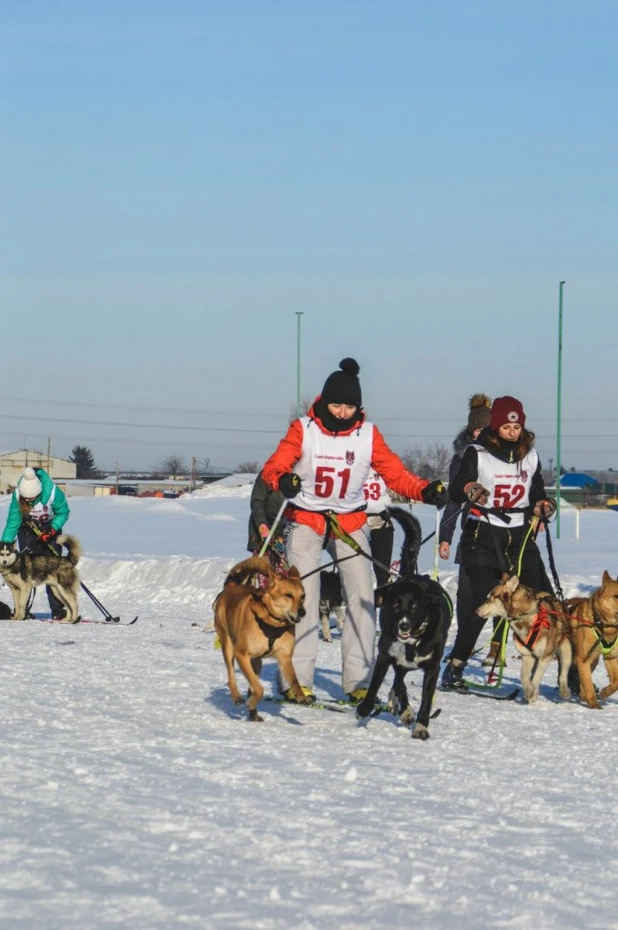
point(135, 795)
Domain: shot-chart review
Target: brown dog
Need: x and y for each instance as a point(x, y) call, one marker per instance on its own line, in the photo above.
point(255, 616)
point(540, 631)
point(594, 631)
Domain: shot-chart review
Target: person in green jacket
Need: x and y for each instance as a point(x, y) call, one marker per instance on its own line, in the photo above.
point(37, 513)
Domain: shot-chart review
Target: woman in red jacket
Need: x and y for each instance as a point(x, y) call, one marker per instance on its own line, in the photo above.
point(321, 466)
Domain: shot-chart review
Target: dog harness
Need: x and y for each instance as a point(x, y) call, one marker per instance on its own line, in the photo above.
point(540, 623)
point(272, 633)
point(597, 625)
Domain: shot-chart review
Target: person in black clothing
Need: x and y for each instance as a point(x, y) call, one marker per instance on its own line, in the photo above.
point(500, 476)
point(478, 419)
point(265, 505)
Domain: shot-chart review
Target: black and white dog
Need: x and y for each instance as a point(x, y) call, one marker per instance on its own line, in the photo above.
point(415, 619)
point(331, 602)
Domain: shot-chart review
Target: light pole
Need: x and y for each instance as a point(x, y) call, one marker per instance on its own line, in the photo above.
point(298, 316)
point(559, 412)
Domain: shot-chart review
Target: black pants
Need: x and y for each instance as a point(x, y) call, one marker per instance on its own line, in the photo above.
point(482, 579)
point(28, 539)
point(464, 607)
point(381, 545)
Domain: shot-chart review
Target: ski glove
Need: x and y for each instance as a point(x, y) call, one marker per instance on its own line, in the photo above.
point(546, 508)
point(435, 493)
point(290, 484)
point(476, 493)
point(49, 533)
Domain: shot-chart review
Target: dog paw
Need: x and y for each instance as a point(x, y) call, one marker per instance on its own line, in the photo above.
point(407, 717)
point(565, 694)
point(420, 732)
point(239, 699)
point(255, 717)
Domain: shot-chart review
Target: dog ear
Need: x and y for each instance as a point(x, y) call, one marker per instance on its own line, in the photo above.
point(293, 572)
point(512, 584)
point(260, 584)
point(505, 577)
point(607, 578)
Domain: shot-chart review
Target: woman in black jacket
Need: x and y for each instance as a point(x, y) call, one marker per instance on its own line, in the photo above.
point(478, 419)
point(265, 505)
point(501, 474)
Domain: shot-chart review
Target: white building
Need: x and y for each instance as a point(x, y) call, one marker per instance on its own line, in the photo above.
point(13, 463)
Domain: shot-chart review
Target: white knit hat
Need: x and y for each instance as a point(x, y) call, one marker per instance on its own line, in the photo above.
point(29, 485)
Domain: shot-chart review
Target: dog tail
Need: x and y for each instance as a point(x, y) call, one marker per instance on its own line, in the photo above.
point(412, 540)
point(244, 572)
point(73, 545)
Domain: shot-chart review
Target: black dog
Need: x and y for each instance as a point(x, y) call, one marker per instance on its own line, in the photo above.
point(331, 601)
point(416, 615)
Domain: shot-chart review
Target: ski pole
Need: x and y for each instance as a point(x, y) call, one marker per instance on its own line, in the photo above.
point(264, 545)
point(436, 548)
point(93, 598)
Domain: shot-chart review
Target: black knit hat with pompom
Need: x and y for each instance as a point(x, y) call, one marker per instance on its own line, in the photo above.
point(343, 387)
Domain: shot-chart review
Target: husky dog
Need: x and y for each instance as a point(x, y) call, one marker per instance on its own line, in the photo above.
point(331, 601)
point(23, 572)
point(540, 631)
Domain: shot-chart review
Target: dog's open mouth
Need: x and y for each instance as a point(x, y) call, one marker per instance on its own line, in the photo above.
point(404, 634)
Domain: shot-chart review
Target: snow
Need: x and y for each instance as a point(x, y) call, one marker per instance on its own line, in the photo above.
point(136, 795)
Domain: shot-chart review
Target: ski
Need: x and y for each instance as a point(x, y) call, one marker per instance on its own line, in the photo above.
point(338, 707)
point(505, 696)
point(342, 706)
point(112, 621)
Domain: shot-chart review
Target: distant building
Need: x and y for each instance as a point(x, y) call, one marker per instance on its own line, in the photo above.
point(578, 479)
point(13, 463)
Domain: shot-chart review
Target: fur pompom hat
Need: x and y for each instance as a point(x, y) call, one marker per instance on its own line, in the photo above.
point(343, 387)
point(505, 410)
point(480, 412)
point(29, 486)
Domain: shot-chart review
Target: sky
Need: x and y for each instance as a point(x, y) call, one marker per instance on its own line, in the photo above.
point(180, 180)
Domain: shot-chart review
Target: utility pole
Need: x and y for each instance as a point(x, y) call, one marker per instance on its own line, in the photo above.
point(48, 454)
point(298, 316)
point(559, 412)
point(193, 473)
point(117, 477)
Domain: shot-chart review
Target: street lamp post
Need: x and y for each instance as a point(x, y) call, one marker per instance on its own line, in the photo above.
point(298, 316)
point(559, 412)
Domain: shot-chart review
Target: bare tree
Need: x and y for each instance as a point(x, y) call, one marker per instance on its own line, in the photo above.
point(430, 461)
point(305, 406)
point(247, 468)
point(172, 466)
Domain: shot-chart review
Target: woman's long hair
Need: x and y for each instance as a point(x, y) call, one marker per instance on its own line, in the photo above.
point(24, 508)
point(520, 449)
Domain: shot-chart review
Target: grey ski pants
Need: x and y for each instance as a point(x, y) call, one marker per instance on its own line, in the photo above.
point(304, 550)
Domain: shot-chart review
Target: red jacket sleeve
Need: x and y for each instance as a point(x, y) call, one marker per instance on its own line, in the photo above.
point(285, 456)
point(394, 472)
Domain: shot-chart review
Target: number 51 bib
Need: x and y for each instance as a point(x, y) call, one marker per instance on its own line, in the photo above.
point(333, 469)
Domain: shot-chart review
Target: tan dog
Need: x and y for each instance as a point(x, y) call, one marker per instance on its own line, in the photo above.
point(540, 631)
point(594, 631)
point(255, 616)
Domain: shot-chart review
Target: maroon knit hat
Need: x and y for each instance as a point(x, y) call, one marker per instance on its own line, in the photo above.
point(506, 410)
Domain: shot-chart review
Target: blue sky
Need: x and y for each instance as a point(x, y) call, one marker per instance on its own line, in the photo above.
point(179, 179)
